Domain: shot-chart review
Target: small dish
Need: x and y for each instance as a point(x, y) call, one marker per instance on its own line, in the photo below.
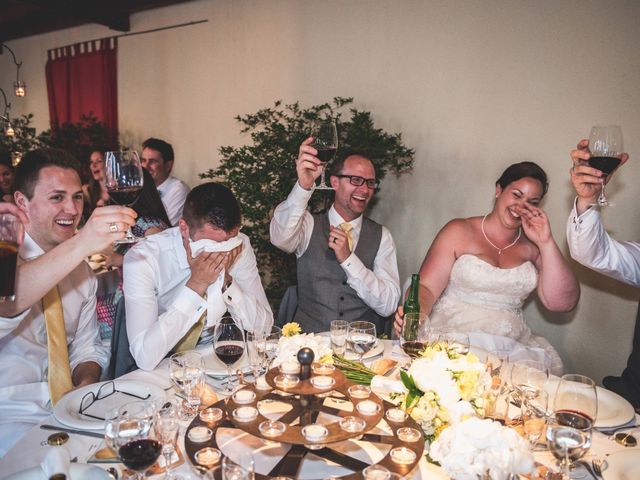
point(211, 415)
point(352, 424)
point(244, 396)
point(245, 414)
point(368, 407)
point(290, 367)
point(261, 384)
point(359, 391)
point(396, 415)
point(402, 455)
point(208, 456)
point(286, 381)
point(272, 428)
point(322, 368)
point(322, 381)
point(314, 432)
point(200, 434)
point(409, 435)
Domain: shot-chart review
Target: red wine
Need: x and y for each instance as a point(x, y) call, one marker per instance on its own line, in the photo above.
point(140, 454)
point(8, 259)
point(413, 348)
point(126, 195)
point(604, 164)
point(574, 419)
point(229, 354)
point(325, 154)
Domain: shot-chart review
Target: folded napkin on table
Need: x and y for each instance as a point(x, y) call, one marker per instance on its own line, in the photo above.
point(56, 461)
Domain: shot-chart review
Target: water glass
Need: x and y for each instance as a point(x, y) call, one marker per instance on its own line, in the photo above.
point(167, 427)
point(242, 470)
point(534, 416)
point(338, 332)
point(186, 370)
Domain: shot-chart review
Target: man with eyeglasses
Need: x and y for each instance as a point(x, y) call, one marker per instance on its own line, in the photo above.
point(347, 266)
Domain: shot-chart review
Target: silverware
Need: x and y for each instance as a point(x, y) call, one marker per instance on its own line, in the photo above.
point(72, 430)
point(596, 463)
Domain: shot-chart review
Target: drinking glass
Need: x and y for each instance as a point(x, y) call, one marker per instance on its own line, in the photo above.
point(271, 342)
point(228, 345)
point(414, 333)
point(138, 450)
point(256, 351)
point(338, 330)
point(528, 378)
point(605, 144)
point(534, 416)
point(123, 180)
point(167, 428)
point(361, 337)
point(495, 396)
point(325, 141)
point(241, 470)
point(10, 233)
point(457, 341)
point(187, 371)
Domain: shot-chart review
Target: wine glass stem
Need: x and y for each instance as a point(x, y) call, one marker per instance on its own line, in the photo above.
point(168, 453)
point(322, 180)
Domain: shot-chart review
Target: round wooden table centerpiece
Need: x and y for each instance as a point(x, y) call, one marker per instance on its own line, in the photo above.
point(307, 398)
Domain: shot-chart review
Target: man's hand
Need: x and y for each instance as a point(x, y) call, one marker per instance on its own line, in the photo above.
point(105, 226)
point(308, 167)
point(339, 243)
point(206, 267)
point(587, 180)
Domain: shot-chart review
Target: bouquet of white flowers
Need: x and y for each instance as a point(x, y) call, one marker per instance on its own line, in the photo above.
point(293, 340)
point(443, 387)
point(476, 449)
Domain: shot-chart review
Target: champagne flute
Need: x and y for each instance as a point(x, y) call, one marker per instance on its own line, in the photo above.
point(228, 345)
point(325, 141)
point(133, 435)
point(123, 180)
point(605, 144)
point(186, 370)
point(361, 337)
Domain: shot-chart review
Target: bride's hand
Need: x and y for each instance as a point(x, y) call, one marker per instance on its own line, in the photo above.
point(535, 224)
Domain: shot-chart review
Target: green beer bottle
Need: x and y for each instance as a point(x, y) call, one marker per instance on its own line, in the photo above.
point(412, 305)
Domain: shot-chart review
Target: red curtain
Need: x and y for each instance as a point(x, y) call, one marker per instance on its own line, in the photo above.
point(83, 79)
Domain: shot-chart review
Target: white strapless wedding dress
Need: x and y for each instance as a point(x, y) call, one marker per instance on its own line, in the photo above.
point(486, 302)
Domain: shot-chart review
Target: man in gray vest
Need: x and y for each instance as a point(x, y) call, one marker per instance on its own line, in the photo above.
point(347, 267)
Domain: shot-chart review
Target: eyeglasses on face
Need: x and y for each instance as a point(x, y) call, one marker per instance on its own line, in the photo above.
point(357, 181)
point(105, 390)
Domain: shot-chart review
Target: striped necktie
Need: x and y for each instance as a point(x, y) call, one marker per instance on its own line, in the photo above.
point(59, 370)
point(346, 228)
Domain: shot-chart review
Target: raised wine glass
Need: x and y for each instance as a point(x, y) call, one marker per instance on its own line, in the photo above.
point(605, 144)
point(134, 437)
point(361, 337)
point(575, 408)
point(123, 180)
point(325, 141)
point(186, 370)
point(228, 345)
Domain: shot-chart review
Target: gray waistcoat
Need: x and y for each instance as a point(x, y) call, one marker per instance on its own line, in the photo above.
point(323, 293)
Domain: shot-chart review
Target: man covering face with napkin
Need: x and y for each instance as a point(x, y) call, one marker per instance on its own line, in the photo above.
point(180, 282)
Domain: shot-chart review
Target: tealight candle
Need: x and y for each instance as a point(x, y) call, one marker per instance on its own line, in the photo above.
point(322, 381)
point(272, 428)
point(261, 384)
point(211, 415)
point(314, 432)
point(408, 434)
point(376, 472)
point(402, 455)
point(208, 457)
point(396, 415)
point(291, 367)
point(286, 381)
point(244, 396)
point(200, 434)
point(323, 368)
point(368, 407)
point(359, 391)
point(245, 414)
point(352, 424)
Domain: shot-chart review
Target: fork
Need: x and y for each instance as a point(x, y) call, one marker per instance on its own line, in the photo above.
point(596, 463)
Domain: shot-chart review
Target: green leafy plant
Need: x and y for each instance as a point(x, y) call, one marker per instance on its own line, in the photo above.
point(262, 174)
point(25, 138)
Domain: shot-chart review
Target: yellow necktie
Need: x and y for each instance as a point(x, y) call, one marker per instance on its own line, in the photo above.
point(59, 371)
point(190, 339)
point(346, 228)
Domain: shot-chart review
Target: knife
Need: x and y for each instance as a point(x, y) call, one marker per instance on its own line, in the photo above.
point(71, 430)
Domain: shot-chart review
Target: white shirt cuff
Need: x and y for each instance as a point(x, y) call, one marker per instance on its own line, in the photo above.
point(353, 266)
point(189, 302)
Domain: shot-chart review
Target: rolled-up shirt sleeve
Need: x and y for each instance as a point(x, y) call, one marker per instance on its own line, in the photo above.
point(378, 288)
point(591, 246)
point(292, 225)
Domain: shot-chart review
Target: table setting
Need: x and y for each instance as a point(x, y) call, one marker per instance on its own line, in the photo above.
point(293, 408)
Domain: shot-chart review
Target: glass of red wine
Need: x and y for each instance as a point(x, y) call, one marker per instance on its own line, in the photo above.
point(123, 181)
point(228, 345)
point(325, 141)
point(575, 408)
point(605, 144)
point(134, 437)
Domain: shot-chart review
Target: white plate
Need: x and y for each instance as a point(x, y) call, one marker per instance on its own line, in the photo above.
point(613, 410)
point(624, 465)
point(77, 471)
point(215, 368)
point(67, 409)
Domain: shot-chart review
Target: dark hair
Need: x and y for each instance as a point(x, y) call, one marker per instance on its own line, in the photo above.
point(338, 163)
point(149, 203)
point(521, 170)
point(165, 149)
point(5, 159)
point(212, 203)
point(28, 170)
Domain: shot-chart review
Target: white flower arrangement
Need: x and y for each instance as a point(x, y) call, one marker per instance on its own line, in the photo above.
point(443, 387)
point(476, 448)
point(292, 341)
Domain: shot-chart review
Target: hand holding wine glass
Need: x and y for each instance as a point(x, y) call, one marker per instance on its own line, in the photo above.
point(228, 345)
point(123, 180)
point(606, 148)
point(325, 141)
point(361, 337)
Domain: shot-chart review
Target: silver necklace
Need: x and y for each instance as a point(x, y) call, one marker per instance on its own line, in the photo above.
point(500, 250)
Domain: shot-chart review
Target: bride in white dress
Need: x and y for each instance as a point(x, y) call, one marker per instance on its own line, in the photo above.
point(479, 271)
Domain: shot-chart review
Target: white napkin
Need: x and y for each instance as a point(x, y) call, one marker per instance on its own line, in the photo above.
point(56, 460)
point(382, 385)
point(207, 245)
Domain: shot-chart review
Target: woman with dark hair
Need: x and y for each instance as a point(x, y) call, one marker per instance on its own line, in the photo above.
point(6, 177)
point(95, 193)
point(152, 218)
point(479, 271)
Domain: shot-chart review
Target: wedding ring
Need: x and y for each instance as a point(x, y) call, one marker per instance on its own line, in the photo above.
point(113, 227)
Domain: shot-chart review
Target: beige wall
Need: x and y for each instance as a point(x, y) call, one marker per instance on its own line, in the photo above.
point(472, 85)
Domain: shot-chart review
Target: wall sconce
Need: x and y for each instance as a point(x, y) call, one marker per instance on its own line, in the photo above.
point(20, 88)
point(8, 129)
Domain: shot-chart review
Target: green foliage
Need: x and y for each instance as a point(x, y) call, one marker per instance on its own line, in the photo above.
point(414, 393)
point(262, 174)
point(25, 135)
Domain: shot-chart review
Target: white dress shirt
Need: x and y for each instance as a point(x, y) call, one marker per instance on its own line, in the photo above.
point(291, 229)
point(24, 393)
point(173, 193)
point(161, 308)
point(591, 245)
